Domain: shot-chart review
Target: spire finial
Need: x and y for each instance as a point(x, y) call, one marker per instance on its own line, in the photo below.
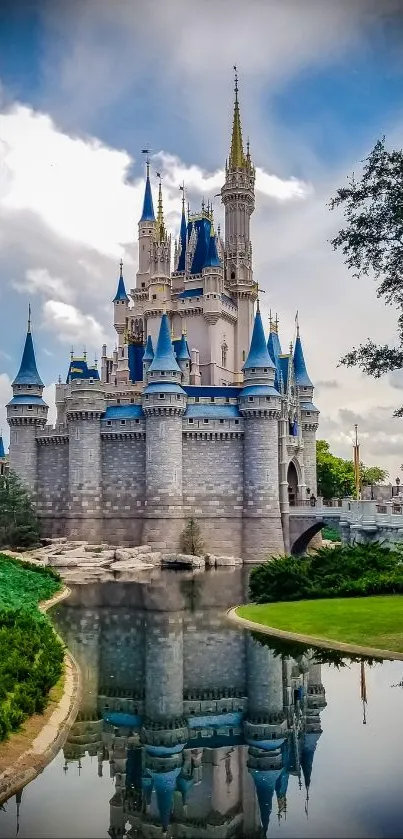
point(276, 323)
point(72, 353)
point(237, 157)
point(182, 187)
point(85, 353)
point(291, 347)
point(29, 318)
point(160, 212)
point(121, 268)
point(297, 323)
point(270, 321)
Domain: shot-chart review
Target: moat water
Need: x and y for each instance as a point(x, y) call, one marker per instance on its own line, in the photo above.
point(191, 728)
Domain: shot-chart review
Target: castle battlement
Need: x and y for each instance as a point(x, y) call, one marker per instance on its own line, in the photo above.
point(197, 412)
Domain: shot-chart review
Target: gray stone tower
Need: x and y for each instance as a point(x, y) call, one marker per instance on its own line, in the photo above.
point(26, 414)
point(259, 404)
point(146, 234)
point(164, 403)
point(85, 404)
point(238, 197)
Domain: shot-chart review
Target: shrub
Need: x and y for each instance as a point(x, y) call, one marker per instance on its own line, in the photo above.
point(343, 571)
point(19, 525)
point(191, 540)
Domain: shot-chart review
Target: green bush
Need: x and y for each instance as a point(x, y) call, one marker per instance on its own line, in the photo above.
point(332, 534)
point(342, 571)
point(31, 655)
point(31, 661)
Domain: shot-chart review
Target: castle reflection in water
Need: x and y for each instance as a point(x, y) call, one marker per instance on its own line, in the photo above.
point(199, 724)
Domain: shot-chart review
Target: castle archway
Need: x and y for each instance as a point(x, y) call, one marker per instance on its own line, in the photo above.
point(292, 479)
point(301, 544)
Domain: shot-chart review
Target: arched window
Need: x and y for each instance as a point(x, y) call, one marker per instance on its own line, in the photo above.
point(224, 355)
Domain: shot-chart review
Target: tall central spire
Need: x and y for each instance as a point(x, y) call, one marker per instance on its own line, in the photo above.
point(237, 157)
point(160, 216)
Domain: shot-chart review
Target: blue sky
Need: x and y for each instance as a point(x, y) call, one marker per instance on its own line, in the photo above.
point(84, 86)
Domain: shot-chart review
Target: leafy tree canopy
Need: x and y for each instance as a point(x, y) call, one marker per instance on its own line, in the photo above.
point(372, 245)
point(336, 476)
point(19, 527)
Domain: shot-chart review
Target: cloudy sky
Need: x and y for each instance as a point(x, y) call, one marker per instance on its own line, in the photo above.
point(86, 84)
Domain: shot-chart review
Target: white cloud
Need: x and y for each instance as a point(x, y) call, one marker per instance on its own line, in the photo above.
point(40, 280)
point(71, 325)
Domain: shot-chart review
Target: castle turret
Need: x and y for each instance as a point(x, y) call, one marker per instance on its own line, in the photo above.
point(164, 403)
point(238, 197)
point(146, 233)
point(85, 404)
point(274, 348)
point(183, 358)
point(26, 414)
point(160, 260)
point(309, 414)
point(181, 264)
point(259, 404)
point(3, 457)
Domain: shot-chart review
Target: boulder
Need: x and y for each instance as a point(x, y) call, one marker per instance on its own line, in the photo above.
point(227, 560)
point(131, 564)
point(187, 560)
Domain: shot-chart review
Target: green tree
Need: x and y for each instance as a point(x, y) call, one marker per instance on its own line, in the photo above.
point(371, 475)
point(191, 540)
point(372, 246)
point(336, 477)
point(19, 526)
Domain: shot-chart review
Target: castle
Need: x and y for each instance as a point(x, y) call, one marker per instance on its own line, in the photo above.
point(195, 413)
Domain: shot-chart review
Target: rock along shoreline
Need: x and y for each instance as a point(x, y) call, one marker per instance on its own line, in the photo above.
point(52, 735)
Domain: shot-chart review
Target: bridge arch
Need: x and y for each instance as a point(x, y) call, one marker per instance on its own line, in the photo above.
point(300, 544)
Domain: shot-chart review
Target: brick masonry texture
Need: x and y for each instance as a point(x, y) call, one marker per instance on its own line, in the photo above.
point(143, 485)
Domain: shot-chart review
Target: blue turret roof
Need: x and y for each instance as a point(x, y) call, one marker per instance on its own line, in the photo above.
point(301, 374)
point(274, 347)
point(164, 358)
point(2, 452)
point(182, 353)
point(258, 353)
point(78, 369)
point(212, 258)
point(121, 290)
point(307, 754)
point(165, 785)
point(182, 239)
point(148, 207)
point(265, 781)
point(28, 372)
point(149, 350)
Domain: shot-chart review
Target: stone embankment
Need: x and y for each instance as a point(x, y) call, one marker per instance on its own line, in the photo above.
point(81, 562)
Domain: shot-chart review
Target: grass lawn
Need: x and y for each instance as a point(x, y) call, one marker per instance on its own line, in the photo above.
point(365, 621)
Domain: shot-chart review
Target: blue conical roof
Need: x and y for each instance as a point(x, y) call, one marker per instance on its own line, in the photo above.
point(164, 357)
point(28, 372)
point(183, 350)
point(121, 290)
point(258, 352)
point(301, 373)
point(274, 348)
point(307, 755)
point(2, 452)
point(265, 781)
point(148, 207)
point(149, 350)
point(212, 258)
point(165, 785)
point(182, 239)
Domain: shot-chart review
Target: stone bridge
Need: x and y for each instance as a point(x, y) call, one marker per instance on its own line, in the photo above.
point(358, 521)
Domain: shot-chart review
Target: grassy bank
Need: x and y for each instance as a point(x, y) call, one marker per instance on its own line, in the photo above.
point(365, 621)
point(31, 657)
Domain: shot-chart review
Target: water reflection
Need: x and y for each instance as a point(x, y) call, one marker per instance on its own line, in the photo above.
point(205, 731)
